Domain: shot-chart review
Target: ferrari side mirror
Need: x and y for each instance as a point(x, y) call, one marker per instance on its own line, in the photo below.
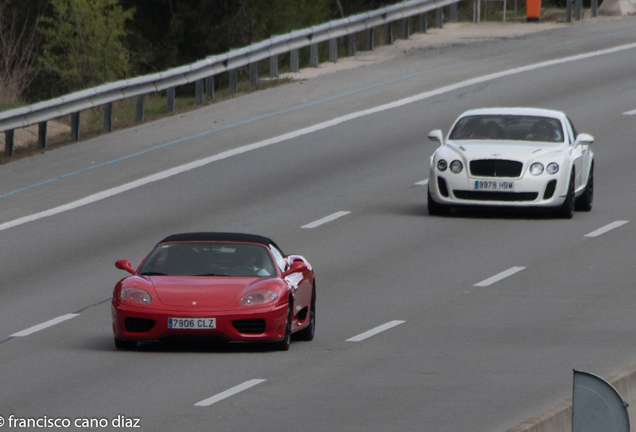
point(124, 264)
point(296, 267)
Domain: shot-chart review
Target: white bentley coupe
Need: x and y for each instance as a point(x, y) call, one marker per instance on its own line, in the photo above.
point(512, 157)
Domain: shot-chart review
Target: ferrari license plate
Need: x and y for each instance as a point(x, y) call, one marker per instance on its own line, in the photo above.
point(192, 323)
point(496, 185)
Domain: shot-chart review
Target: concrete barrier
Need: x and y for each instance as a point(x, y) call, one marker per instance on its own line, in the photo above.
point(558, 418)
point(617, 7)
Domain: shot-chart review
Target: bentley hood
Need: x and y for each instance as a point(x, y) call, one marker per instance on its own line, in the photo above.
point(511, 150)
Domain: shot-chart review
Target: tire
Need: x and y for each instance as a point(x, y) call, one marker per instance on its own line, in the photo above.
point(307, 334)
point(284, 344)
point(585, 201)
point(566, 211)
point(436, 209)
point(124, 345)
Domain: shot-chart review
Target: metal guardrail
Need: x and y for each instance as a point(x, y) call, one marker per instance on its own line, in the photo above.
point(205, 70)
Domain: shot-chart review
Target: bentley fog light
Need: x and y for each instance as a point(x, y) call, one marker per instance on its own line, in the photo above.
point(536, 168)
point(456, 167)
point(442, 165)
point(552, 168)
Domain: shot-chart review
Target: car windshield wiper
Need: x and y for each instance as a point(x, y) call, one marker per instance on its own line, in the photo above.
point(152, 274)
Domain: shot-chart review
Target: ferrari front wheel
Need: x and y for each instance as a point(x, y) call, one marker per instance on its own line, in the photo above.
point(307, 334)
point(284, 344)
point(125, 345)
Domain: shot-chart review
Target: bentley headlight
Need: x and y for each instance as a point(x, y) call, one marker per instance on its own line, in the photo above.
point(456, 167)
point(442, 165)
point(536, 169)
point(552, 168)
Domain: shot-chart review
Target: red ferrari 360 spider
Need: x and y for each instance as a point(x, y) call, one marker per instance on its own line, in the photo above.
point(238, 287)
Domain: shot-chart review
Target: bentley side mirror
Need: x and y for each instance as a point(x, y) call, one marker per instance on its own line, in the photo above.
point(584, 138)
point(124, 264)
point(436, 136)
point(296, 267)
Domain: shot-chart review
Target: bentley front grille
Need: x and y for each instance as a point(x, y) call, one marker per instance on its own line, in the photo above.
point(495, 168)
point(495, 196)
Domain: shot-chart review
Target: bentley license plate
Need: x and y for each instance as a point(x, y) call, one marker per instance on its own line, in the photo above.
point(192, 323)
point(496, 185)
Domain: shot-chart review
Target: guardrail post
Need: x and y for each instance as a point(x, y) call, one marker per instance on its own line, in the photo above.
point(313, 55)
point(594, 7)
point(453, 12)
point(273, 66)
point(170, 93)
point(209, 87)
point(293, 60)
point(198, 92)
point(370, 39)
point(253, 74)
point(75, 126)
point(439, 17)
point(333, 50)
point(388, 31)
point(42, 135)
point(568, 11)
point(406, 28)
point(233, 81)
point(423, 22)
point(8, 143)
point(108, 117)
point(579, 10)
point(139, 116)
point(351, 45)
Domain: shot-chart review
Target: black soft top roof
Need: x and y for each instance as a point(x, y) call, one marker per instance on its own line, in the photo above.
point(218, 236)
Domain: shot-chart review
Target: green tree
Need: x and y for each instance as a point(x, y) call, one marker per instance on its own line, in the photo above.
point(84, 42)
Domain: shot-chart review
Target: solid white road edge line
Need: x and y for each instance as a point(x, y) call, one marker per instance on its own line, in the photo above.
point(422, 183)
point(326, 219)
point(231, 392)
point(500, 276)
point(229, 153)
point(633, 112)
point(375, 331)
point(44, 325)
point(606, 228)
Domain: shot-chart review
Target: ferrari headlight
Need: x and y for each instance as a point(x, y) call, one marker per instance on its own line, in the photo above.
point(536, 169)
point(135, 295)
point(258, 297)
point(552, 168)
point(456, 167)
point(442, 165)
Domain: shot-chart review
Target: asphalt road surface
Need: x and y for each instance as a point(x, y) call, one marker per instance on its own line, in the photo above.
point(480, 317)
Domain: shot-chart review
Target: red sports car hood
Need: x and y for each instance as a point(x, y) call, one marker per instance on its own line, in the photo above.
point(200, 291)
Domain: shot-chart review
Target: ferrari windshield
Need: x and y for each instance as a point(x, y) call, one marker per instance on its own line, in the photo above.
point(208, 259)
point(508, 127)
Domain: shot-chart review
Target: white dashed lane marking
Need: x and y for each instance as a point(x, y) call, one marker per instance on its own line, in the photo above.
point(44, 325)
point(500, 276)
point(231, 392)
point(422, 183)
point(326, 219)
point(632, 112)
point(375, 331)
point(606, 228)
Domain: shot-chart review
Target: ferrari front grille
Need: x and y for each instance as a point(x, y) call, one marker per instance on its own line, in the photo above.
point(138, 325)
point(249, 326)
point(495, 196)
point(495, 168)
